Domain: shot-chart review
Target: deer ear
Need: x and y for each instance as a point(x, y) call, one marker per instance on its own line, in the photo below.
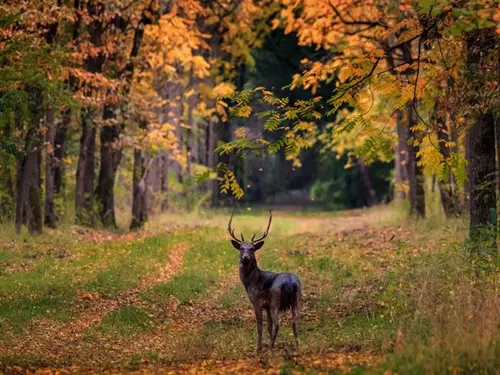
point(236, 244)
point(258, 245)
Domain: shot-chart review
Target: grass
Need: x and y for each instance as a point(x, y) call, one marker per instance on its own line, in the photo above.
point(183, 287)
point(205, 263)
point(447, 314)
point(235, 296)
point(48, 285)
point(372, 282)
point(125, 321)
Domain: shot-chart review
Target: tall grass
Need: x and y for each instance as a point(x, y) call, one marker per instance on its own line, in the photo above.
point(446, 308)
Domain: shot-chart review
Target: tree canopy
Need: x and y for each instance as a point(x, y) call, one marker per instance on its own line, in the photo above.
point(94, 89)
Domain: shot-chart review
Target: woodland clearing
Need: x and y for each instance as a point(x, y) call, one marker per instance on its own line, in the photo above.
point(381, 295)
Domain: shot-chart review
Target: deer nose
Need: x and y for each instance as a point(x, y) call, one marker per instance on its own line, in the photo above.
point(245, 258)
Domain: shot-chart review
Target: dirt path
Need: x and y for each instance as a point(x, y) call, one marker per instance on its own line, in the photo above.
point(53, 339)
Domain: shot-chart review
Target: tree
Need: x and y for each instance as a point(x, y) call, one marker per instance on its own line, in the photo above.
point(374, 41)
point(31, 77)
point(50, 214)
point(85, 174)
point(481, 137)
point(109, 135)
point(378, 50)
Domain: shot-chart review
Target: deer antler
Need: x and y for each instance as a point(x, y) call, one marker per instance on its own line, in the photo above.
point(231, 231)
point(267, 230)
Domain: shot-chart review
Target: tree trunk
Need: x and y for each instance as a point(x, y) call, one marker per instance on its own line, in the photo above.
point(50, 213)
point(191, 149)
point(59, 143)
point(497, 136)
point(29, 202)
point(28, 199)
point(416, 192)
point(202, 144)
point(164, 180)
point(370, 197)
point(136, 192)
point(110, 154)
point(85, 174)
point(35, 219)
point(22, 193)
point(481, 141)
point(139, 198)
point(482, 174)
point(415, 172)
point(178, 113)
point(110, 160)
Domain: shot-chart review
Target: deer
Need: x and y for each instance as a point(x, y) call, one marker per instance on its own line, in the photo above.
point(270, 291)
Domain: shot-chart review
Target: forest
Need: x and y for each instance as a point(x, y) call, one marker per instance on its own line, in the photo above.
point(131, 129)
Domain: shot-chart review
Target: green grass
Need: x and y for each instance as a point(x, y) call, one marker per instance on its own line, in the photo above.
point(447, 314)
point(184, 287)
point(207, 261)
point(125, 321)
point(50, 285)
point(416, 299)
point(224, 339)
point(234, 297)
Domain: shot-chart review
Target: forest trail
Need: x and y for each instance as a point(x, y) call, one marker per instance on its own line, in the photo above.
point(339, 259)
point(53, 339)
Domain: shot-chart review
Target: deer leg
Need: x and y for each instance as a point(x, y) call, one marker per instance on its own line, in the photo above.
point(258, 317)
point(269, 324)
point(294, 326)
point(276, 325)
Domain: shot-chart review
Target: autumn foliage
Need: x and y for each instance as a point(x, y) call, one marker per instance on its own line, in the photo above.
point(160, 80)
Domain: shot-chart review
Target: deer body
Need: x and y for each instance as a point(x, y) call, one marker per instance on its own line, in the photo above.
point(270, 291)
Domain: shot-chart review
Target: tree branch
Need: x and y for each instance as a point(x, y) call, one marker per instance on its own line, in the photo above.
point(387, 51)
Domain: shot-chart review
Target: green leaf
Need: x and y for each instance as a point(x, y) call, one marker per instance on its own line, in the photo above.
point(200, 177)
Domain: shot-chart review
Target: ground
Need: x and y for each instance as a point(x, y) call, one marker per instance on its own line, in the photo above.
point(168, 299)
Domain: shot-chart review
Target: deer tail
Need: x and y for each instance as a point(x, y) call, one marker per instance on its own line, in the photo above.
point(288, 296)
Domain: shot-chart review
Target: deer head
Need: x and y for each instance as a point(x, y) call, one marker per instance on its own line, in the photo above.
point(247, 249)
